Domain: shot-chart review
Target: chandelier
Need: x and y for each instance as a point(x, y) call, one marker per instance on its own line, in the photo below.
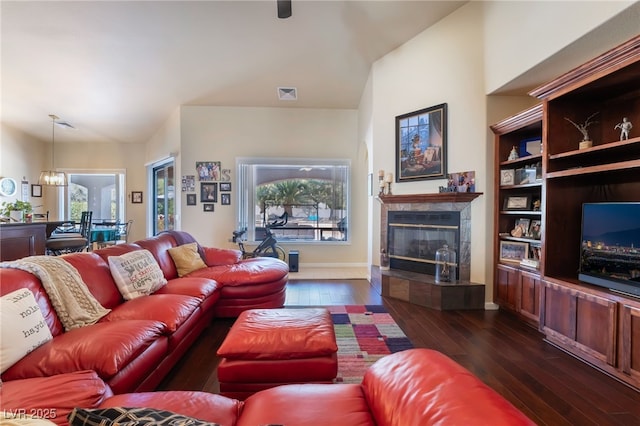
point(52, 177)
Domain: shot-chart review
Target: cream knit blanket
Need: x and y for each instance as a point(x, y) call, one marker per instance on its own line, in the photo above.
point(69, 295)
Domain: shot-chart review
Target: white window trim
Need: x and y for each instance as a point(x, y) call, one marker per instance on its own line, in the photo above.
point(245, 198)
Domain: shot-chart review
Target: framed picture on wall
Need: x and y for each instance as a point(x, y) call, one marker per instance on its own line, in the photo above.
point(421, 144)
point(208, 192)
point(225, 186)
point(191, 199)
point(225, 199)
point(36, 191)
point(208, 207)
point(136, 197)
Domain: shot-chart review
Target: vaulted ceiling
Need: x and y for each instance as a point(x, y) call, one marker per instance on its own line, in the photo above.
point(116, 70)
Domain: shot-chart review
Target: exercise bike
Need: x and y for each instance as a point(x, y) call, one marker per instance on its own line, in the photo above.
point(268, 247)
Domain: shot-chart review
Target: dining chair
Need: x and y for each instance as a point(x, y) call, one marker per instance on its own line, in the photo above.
point(65, 240)
point(123, 231)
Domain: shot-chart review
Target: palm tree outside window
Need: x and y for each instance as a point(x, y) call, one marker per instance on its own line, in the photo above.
point(314, 194)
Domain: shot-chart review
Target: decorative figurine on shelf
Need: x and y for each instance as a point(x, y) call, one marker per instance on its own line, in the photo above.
point(518, 231)
point(624, 127)
point(536, 205)
point(586, 141)
point(513, 155)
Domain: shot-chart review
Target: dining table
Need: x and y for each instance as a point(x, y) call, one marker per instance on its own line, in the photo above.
point(103, 234)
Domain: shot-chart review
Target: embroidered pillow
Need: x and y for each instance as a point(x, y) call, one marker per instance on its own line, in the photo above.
point(23, 327)
point(187, 258)
point(136, 273)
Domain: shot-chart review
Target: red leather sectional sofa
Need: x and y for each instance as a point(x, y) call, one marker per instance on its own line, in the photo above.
point(410, 388)
point(134, 346)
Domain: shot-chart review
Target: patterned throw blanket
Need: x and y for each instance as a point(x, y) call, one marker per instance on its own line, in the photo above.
point(69, 295)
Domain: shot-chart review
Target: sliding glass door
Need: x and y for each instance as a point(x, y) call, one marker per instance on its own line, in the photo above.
point(164, 203)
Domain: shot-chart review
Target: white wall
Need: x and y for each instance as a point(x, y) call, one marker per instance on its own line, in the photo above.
point(23, 156)
point(224, 133)
point(164, 144)
point(520, 35)
point(109, 156)
point(441, 65)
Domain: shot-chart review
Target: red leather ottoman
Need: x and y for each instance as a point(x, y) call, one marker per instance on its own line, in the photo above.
point(271, 347)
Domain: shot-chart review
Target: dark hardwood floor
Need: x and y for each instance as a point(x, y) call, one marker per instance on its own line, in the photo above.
point(547, 384)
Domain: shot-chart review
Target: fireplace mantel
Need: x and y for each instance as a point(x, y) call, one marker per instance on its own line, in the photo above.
point(440, 197)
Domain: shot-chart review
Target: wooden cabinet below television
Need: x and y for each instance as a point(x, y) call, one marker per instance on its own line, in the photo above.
point(581, 322)
point(630, 342)
point(595, 325)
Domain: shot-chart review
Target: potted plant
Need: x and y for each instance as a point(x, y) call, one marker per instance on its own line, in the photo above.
point(16, 210)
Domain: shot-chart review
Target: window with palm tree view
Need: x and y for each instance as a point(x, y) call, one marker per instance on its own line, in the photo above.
point(314, 194)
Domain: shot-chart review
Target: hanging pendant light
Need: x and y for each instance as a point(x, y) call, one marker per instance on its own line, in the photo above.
point(52, 177)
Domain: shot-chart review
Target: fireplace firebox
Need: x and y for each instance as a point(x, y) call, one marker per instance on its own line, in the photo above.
point(415, 236)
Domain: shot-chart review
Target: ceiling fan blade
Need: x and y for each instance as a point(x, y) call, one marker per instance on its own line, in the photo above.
point(284, 9)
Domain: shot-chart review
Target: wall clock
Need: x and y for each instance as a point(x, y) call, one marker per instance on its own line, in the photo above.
point(8, 187)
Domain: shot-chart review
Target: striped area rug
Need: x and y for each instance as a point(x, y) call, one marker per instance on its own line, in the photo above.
point(364, 333)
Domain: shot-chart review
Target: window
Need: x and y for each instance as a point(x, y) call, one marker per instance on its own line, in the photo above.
point(313, 193)
point(99, 192)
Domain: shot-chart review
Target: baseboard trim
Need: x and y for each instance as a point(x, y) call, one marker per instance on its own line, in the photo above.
point(490, 306)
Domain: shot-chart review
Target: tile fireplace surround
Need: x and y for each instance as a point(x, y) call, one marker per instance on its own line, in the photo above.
point(419, 288)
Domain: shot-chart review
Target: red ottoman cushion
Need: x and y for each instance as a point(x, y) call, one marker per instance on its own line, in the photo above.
point(268, 334)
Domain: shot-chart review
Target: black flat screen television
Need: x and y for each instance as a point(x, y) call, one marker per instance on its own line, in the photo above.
point(610, 247)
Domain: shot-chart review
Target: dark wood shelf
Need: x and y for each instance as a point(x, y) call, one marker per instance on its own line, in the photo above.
point(597, 148)
point(624, 165)
point(517, 212)
point(522, 240)
point(526, 185)
point(521, 160)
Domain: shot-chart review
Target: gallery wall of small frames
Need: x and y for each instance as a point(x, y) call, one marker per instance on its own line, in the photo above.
point(211, 184)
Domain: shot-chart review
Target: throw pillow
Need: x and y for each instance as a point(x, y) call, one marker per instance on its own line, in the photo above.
point(23, 327)
point(131, 416)
point(136, 273)
point(187, 258)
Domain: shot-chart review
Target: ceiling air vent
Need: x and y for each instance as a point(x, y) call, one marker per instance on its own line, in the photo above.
point(287, 93)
